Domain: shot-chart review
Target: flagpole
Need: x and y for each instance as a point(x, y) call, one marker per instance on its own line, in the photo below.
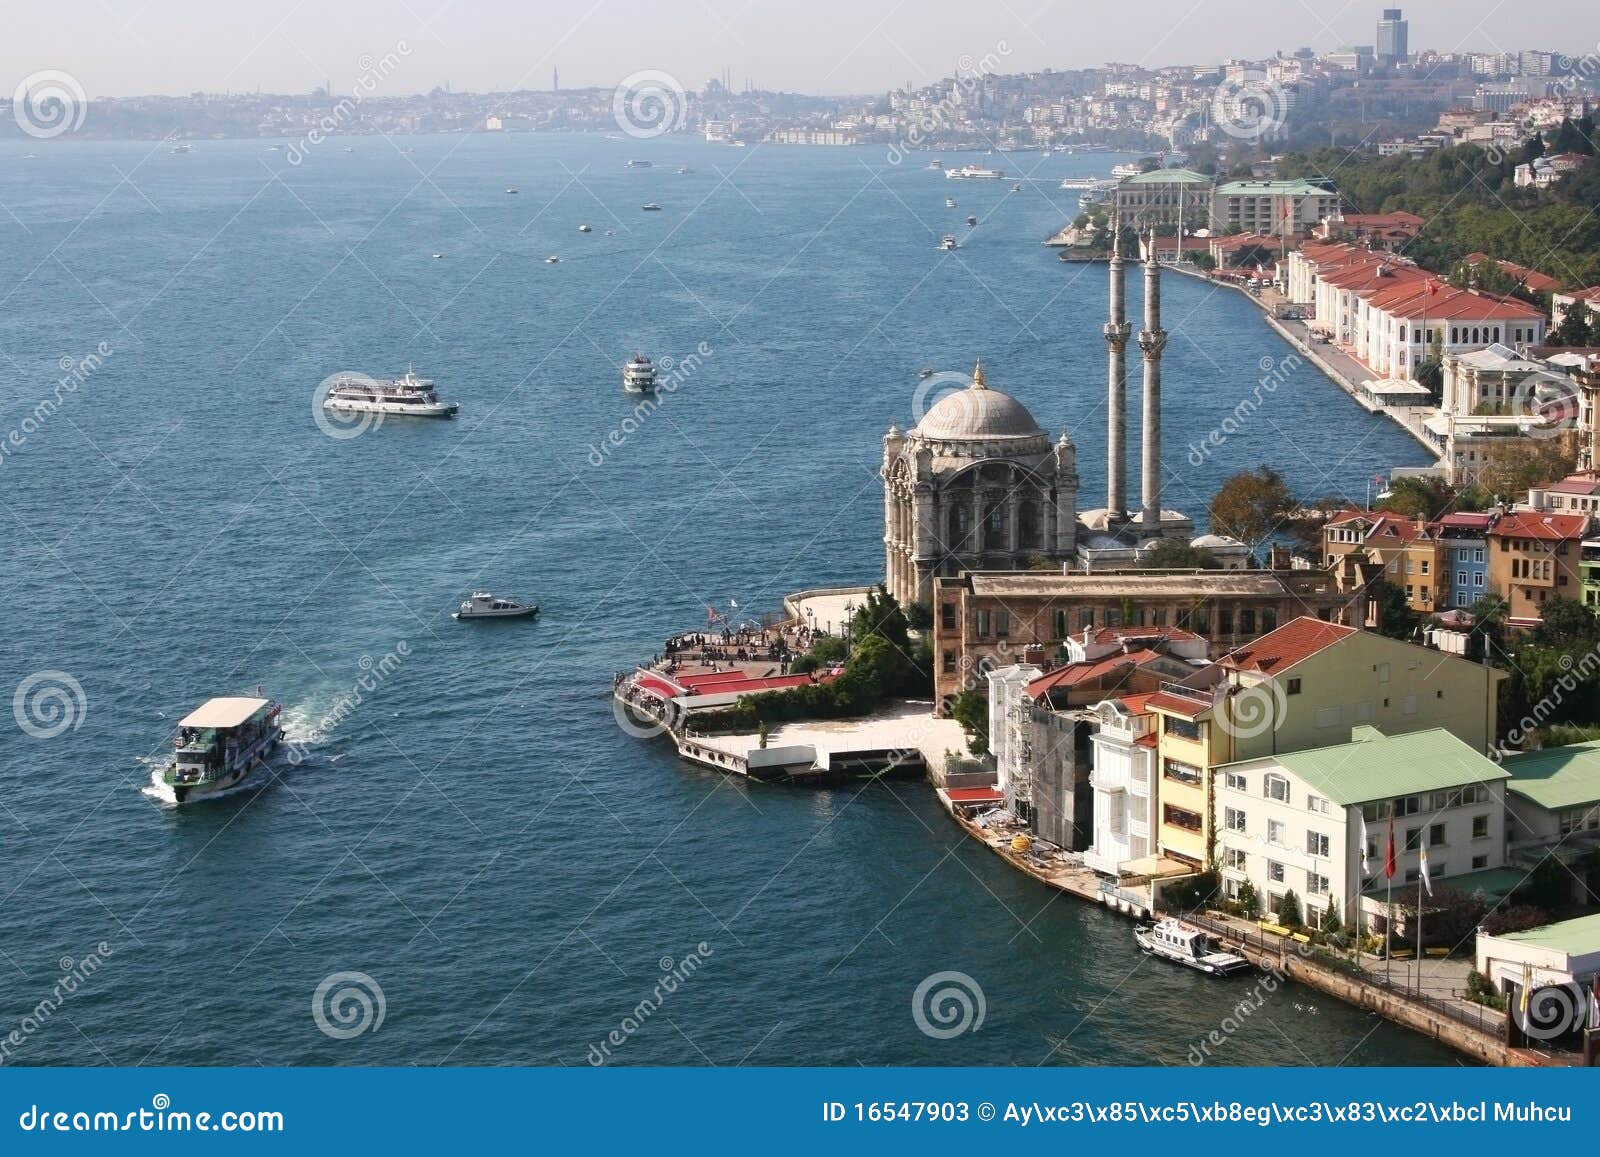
point(1419, 935)
point(1388, 939)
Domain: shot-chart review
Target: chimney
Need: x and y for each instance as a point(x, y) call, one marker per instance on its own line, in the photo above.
point(1117, 332)
point(1152, 341)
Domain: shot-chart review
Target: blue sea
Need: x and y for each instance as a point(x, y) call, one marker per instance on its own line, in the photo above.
point(475, 865)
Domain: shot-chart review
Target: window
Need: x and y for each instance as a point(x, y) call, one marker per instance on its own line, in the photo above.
point(1316, 885)
point(1269, 619)
point(1224, 620)
point(1480, 827)
point(1477, 555)
point(1275, 871)
point(947, 616)
point(1276, 787)
point(1407, 805)
point(1436, 836)
point(983, 624)
point(1175, 769)
point(1364, 711)
point(1182, 728)
point(1085, 617)
point(949, 662)
point(1060, 624)
point(1236, 781)
point(1475, 793)
point(1317, 844)
point(1277, 833)
point(1294, 686)
point(1438, 801)
point(1182, 818)
point(1383, 672)
point(1413, 839)
point(1234, 858)
point(1233, 819)
point(1002, 624)
point(1317, 804)
point(1247, 621)
point(1479, 863)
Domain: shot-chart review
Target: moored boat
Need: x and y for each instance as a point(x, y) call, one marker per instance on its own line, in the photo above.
point(219, 743)
point(1172, 939)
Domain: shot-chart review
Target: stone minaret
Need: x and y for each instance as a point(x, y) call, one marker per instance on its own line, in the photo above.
point(1152, 340)
point(1117, 331)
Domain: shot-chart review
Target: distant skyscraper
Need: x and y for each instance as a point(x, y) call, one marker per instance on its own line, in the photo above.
point(1392, 35)
point(555, 80)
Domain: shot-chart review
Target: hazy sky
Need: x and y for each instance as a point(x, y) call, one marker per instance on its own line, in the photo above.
point(125, 47)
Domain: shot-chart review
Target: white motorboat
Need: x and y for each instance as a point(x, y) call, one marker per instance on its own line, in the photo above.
point(949, 202)
point(483, 605)
point(639, 375)
point(650, 207)
point(407, 395)
point(552, 260)
point(219, 743)
point(640, 164)
point(936, 164)
point(1172, 939)
point(683, 170)
point(585, 229)
point(948, 243)
point(512, 192)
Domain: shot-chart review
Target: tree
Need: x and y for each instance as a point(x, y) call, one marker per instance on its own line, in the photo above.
point(920, 617)
point(1170, 554)
point(1396, 619)
point(1566, 624)
point(1289, 910)
point(1426, 497)
point(1248, 902)
point(1529, 463)
point(1330, 917)
point(1251, 505)
point(1576, 328)
point(971, 710)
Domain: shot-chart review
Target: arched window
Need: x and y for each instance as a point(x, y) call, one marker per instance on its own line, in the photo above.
point(960, 524)
point(1028, 536)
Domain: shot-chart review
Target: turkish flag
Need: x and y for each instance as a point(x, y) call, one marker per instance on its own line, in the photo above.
point(1388, 856)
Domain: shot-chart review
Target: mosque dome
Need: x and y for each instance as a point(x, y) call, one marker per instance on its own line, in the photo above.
point(977, 413)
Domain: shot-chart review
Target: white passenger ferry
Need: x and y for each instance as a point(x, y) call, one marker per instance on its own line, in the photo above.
point(975, 173)
point(408, 394)
point(219, 743)
point(639, 375)
point(1174, 940)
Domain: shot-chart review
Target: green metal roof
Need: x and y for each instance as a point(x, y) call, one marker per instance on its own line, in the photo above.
point(1274, 189)
point(1169, 177)
point(1374, 766)
point(1557, 777)
point(1574, 937)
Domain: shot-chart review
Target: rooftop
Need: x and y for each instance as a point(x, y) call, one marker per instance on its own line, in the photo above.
point(1571, 937)
point(1546, 527)
point(1169, 177)
point(1374, 766)
point(1286, 646)
point(224, 712)
point(1274, 189)
point(1557, 777)
point(1263, 584)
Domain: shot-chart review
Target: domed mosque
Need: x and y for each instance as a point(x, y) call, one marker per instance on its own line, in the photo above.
point(977, 484)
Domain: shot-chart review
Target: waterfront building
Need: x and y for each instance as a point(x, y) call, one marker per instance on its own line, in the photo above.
point(1293, 821)
point(1164, 197)
point(1563, 956)
point(1562, 303)
point(1553, 801)
point(1300, 687)
point(1277, 208)
point(1123, 783)
point(986, 620)
point(1409, 552)
point(1490, 402)
point(1534, 557)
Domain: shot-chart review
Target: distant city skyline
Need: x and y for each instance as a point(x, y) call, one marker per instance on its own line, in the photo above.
point(175, 47)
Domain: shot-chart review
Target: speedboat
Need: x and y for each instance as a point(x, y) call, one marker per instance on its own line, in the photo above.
point(483, 605)
point(219, 743)
point(438, 256)
point(948, 243)
point(972, 220)
point(552, 260)
point(936, 163)
point(1172, 939)
point(407, 395)
point(512, 192)
point(585, 229)
point(926, 372)
point(640, 164)
point(1016, 188)
point(650, 207)
point(682, 169)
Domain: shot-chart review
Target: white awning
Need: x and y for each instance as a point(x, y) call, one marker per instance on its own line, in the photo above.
point(227, 711)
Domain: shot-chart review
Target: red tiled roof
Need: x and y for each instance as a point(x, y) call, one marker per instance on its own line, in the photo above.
point(1117, 634)
point(1177, 705)
point(1546, 527)
point(1460, 305)
point(1385, 220)
point(1075, 673)
point(1135, 704)
point(1590, 294)
point(1576, 484)
point(1532, 278)
point(1288, 645)
point(1467, 519)
point(1148, 739)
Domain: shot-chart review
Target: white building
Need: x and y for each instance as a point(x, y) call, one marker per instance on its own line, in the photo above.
point(1294, 822)
point(1123, 780)
point(1010, 738)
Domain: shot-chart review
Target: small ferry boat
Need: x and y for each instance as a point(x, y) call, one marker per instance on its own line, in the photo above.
point(948, 243)
point(650, 207)
point(1080, 182)
point(641, 164)
point(408, 395)
point(483, 605)
point(639, 375)
point(181, 149)
point(1174, 940)
point(975, 173)
point(219, 743)
point(1097, 194)
point(949, 202)
point(936, 163)
point(438, 256)
point(585, 229)
point(1127, 169)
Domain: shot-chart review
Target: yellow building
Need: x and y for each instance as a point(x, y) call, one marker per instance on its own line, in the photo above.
point(1409, 551)
point(1303, 686)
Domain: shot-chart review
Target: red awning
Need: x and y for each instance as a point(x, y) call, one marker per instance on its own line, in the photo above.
point(974, 795)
